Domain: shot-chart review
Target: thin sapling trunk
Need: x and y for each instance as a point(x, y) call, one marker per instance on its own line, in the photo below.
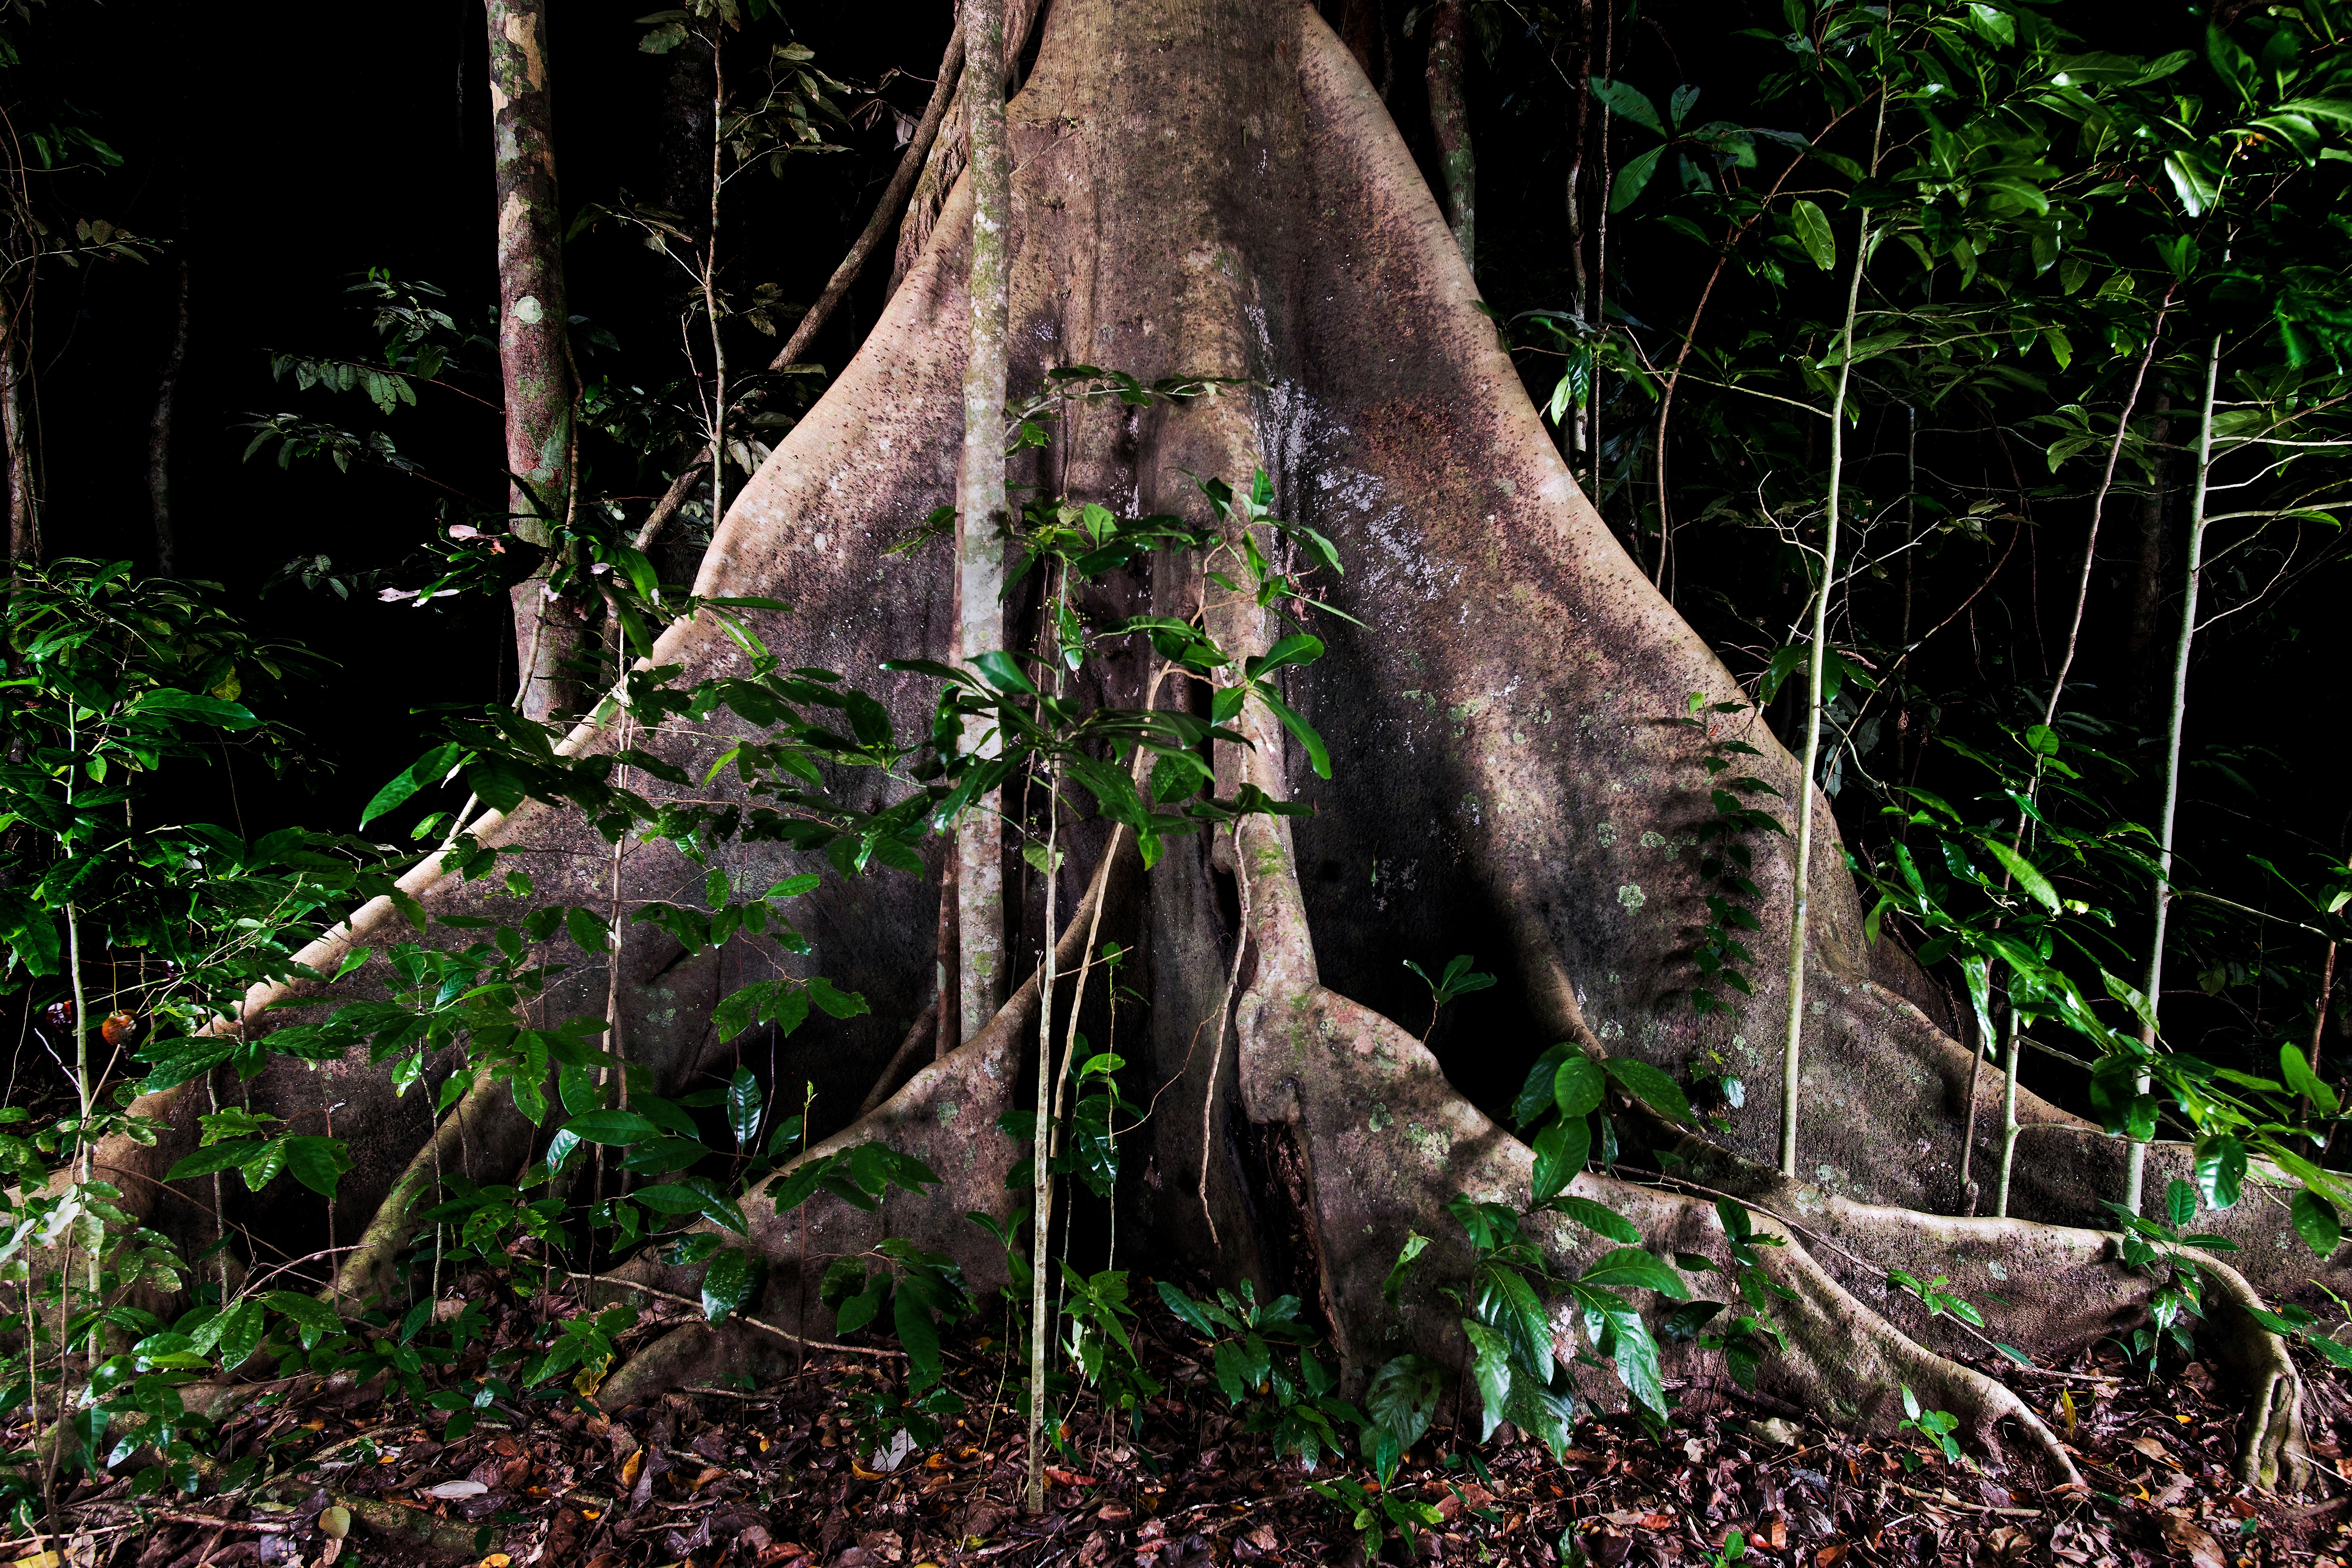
point(2136, 1157)
point(1801, 877)
point(533, 359)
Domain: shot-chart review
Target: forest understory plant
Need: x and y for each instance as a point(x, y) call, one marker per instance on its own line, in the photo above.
point(723, 882)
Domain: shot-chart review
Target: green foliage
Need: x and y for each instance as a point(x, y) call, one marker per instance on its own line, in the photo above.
point(1265, 1360)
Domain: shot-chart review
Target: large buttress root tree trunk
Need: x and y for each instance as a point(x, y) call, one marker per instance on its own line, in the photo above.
point(1215, 190)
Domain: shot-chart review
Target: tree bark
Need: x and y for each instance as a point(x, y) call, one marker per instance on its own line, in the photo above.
point(1449, 119)
point(15, 432)
point(534, 355)
point(981, 502)
point(1505, 785)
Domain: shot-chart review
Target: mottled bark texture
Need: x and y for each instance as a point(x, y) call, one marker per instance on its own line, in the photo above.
point(16, 435)
point(533, 356)
point(980, 500)
point(1449, 120)
point(1213, 187)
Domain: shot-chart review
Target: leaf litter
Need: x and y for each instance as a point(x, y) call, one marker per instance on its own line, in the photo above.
point(780, 1476)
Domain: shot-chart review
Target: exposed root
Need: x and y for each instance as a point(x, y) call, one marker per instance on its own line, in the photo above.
point(945, 1117)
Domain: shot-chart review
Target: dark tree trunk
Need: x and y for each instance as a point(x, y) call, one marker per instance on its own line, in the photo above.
point(534, 356)
point(15, 431)
point(1449, 118)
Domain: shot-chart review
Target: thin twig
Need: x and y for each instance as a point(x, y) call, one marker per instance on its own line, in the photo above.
point(739, 1317)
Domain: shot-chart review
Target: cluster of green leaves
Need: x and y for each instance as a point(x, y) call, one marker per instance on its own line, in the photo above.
point(1729, 860)
point(1248, 1343)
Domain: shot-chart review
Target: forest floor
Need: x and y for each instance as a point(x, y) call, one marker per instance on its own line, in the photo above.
point(778, 1477)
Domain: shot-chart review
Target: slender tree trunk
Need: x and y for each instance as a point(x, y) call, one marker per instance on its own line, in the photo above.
point(1582, 77)
point(2136, 1160)
point(159, 425)
point(980, 552)
point(532, 352)
point(1801, 876)
point(24, 500)
point(1449, 118)
point(710, 281)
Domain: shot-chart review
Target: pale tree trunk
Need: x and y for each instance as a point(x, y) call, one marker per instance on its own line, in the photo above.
point(2135, 1161)
point(1449, 119)
point(1802, 865)
point(534, 357)
point(1501, 769)
point(981, 504)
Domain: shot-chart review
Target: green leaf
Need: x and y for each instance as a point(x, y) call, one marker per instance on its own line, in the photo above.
point(2221, 1170)
point(1561, 1150)
point(726, 1284)
point(2179, 1202)
point(2304, 1082)
point(1599, 1219)
point(1393, 1288)
point(1650, 1087)
point(1813, 233)
point(1630, 1268)
point(918, 1336)
point(1626, 101)
point(2315, 1221)
point(1491, 1366)
point(1402, 1396)
point(1578, 1085)
point(620, 1128)
point(211, 709)
point(424, 772)
point(318, 1162)
point(744, 1107)
point(1536, 1096)
point(1632, 178)
point(2029, 876)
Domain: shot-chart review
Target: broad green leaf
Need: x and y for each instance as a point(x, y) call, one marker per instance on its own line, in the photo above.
point(1578, 1085)
point(620, 1128)
point(1813, 233)
point(424, 772)
point(2221, 1170)
point(2304, 1082)
point(1650, 1087)
point(2315, 1221)
point(1629, 102)
point(1630, 1268)
point(1561, 1150)
point(744, 1107)
point(1599, 1219)
point(1491, 1366)
point(2029, 876)
point(1632, 178)
point(2179, 1202)
point(726, 1284)
point(1536, 1096)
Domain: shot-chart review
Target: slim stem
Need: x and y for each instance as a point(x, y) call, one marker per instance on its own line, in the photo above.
point(710, 284)
point(2135, 1159)
point(1042, 1172)
point(1792, 1044)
